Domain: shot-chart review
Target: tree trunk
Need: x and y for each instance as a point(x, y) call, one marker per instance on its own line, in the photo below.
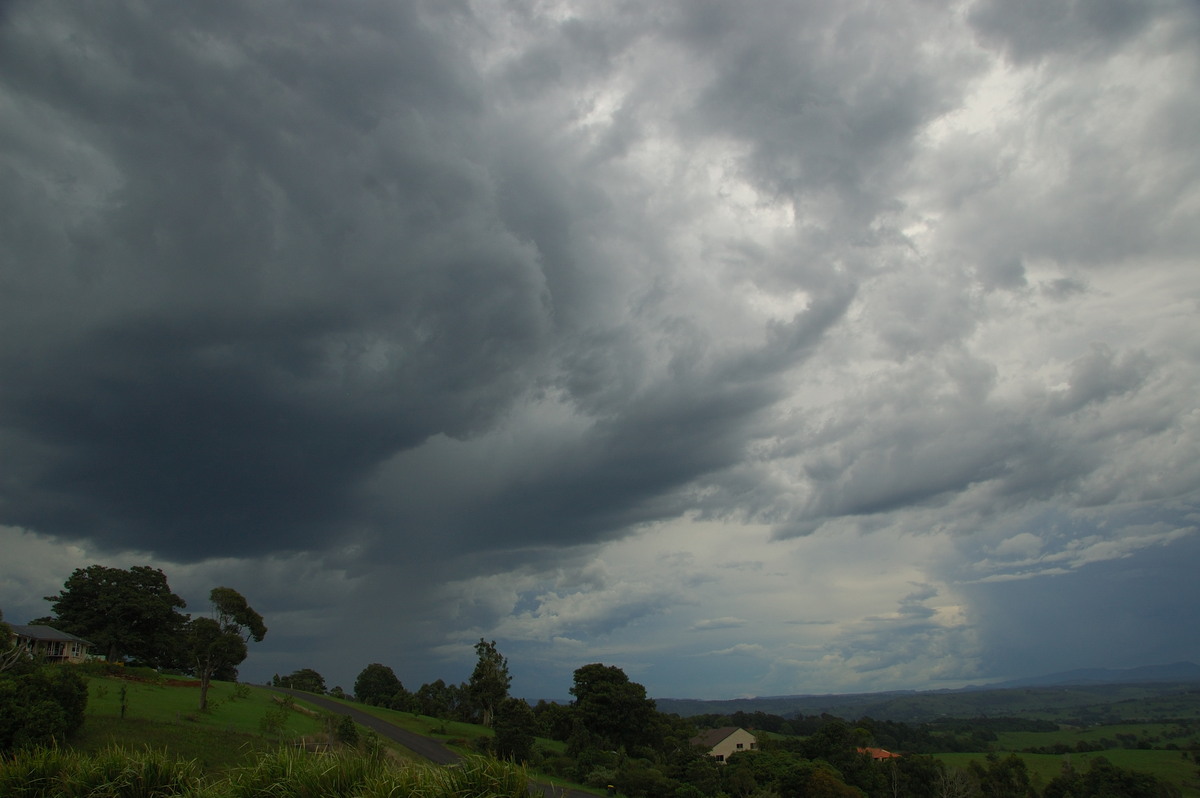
point(204, 671)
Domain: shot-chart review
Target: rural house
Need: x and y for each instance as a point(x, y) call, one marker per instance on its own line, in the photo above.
point(723, 742)
point(53, 645)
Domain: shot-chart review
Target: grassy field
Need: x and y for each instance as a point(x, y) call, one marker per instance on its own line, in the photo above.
point(1166, 765)
point(1156, 735)
point(161, 713)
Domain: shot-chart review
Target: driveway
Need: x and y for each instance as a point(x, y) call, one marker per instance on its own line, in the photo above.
point(422, 746)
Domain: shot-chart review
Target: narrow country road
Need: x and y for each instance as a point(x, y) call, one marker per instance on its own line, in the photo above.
point(420, 745)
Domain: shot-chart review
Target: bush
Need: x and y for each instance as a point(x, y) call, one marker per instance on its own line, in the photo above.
point(345, 731)
point(40, 708)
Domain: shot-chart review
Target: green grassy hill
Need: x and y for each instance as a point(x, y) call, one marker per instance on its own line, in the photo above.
point(161, 713)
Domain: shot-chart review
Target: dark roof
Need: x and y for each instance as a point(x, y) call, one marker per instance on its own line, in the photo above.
point(710, 737)
point(45, 633)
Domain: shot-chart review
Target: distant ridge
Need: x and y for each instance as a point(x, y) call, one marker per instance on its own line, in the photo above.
point(1175, 672)
point(1094, 688)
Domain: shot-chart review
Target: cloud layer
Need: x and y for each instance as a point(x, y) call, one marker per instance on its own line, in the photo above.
point(763, 349)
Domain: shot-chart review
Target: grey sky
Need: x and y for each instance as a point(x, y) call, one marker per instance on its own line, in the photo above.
point(756, 349)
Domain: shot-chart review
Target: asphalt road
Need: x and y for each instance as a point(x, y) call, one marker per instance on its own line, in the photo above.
point(422, 746)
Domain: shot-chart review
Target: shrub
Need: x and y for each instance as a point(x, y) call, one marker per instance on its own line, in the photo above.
point(40, 708)
point(346, 732)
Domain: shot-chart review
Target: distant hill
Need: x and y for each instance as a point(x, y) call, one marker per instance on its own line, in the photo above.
point(1175, 672)
point(1160, 691)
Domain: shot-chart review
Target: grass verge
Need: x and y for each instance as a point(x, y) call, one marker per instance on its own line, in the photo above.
point(113, 772)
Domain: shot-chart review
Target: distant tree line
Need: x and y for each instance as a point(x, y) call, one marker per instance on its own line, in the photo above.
point(614, 736)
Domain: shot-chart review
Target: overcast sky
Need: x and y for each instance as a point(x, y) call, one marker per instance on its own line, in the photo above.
point(756, 348)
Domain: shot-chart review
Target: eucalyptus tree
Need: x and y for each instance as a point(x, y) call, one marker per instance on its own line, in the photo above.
point(219, 644)
point(489, 682)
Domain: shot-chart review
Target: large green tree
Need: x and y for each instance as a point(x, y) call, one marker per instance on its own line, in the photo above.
point(489, 682)
point(611, 709)
point(124, 613)
point(305, 679)
point(377, 685)
point(219, 644)
point(438, 700)
point(515, 728)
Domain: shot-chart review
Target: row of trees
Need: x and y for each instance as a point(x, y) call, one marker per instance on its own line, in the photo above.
point(133, 615)
point(615, 735)
point(475, 701)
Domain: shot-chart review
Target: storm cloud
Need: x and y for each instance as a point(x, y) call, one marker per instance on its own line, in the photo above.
point(778, 345)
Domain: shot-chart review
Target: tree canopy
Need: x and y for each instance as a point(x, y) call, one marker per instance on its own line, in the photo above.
point(438, 699)
point(236, 616)
point(124, 613)
point(218, 644)
point(305, 679)
point(489, 682)
point(515, 728)
point(612, 710)
point(377, 685)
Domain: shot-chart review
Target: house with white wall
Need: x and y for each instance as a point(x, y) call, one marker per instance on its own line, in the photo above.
point(726, 741)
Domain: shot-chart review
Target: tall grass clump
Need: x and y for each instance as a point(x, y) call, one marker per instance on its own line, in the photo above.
point(111, 773)
point(295, 773)
point(288, 773)
point(475, 777)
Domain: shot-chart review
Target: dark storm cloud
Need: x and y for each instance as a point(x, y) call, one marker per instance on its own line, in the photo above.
point(244, 284)
point(828, 97)
point(625, 469)
point(273, 253)
point(1081, 616)
point(1029, 29)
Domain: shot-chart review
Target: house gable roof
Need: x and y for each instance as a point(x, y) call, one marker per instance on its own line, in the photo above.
point(710, 738)
point(46, 633)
